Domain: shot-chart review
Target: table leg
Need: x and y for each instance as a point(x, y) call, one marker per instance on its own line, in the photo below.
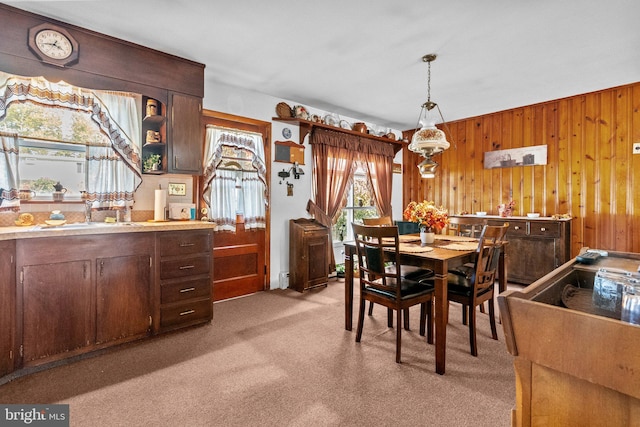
point(502, 271)
point(441, 318)
point(348, 287)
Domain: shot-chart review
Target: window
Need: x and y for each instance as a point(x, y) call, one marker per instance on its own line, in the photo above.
point(53, 146)
point(359, 205)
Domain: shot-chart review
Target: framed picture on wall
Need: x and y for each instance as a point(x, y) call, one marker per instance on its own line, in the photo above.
point(524, 156)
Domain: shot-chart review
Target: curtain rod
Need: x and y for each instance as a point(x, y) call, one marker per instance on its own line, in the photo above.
point(237, 131)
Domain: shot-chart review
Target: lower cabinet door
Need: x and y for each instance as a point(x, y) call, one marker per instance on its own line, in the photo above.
point(58, 313)
point(123, 297)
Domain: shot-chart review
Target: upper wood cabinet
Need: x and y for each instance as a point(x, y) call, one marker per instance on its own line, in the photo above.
point(185, 134)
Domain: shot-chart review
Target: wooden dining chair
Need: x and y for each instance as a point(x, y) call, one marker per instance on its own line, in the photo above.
point(473, 284)
point(383, 220)
point(466, 226)
point(410, 271)
point(376, 245)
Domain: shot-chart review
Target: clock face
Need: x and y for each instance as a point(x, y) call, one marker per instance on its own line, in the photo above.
point(53, 44)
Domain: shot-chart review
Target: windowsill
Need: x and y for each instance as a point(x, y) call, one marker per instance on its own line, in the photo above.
point(48, 202)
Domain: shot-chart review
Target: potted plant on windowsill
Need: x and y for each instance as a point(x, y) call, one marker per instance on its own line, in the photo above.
point(152, 163)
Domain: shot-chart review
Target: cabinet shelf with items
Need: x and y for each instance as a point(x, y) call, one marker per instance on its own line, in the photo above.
point(154, 137)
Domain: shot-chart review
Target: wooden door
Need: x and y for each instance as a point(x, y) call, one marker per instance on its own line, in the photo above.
point(58, 314)
point(240, 259)
point(123, 297)
point(185, 149)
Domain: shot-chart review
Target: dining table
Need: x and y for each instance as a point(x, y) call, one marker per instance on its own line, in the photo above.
point(446, 252)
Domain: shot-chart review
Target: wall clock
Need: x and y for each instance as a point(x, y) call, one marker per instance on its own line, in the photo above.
point(53, 45)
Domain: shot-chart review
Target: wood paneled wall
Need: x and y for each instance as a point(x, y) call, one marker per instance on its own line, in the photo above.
point(590, 173)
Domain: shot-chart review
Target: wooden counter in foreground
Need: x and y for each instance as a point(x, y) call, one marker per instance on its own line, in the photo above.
point(572, 368)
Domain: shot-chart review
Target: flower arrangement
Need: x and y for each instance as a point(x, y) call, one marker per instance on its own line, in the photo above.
point(427, 215)
point(506, 209)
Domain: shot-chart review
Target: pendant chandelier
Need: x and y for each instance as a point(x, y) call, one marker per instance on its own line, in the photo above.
point(429, 140)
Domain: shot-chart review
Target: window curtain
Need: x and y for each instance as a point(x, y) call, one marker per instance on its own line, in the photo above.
point(9, 176)
point(117, 113)
point(220, 184)
point(335, 156)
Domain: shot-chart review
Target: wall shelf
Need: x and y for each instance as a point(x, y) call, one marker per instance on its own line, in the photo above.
point(307, 126)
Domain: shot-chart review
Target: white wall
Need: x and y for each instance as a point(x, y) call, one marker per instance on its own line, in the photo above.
point(244, 103)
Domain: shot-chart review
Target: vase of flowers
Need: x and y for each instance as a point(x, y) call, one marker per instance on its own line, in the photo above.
point(429, 217)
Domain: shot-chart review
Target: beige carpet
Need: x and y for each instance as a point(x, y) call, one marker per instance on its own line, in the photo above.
point(282, 358)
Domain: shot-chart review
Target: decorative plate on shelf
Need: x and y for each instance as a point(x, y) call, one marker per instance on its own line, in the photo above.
point(55, 222)
point(331, 120)
point(345, 124)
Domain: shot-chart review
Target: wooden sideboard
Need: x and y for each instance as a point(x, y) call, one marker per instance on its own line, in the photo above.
point(536, 245)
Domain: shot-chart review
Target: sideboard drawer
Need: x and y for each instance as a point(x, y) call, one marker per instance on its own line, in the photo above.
point(184, 243)
point(185, 290)
point(185, 266)
point(547, 229)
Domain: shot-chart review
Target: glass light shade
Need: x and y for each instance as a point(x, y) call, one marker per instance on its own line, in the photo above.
point(427, 168)
point(429, 140)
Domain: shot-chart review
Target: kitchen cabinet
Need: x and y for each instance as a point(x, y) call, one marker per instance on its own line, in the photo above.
point(308, 254)
point(186, 277)
point(7, 306)
point(536, 246)
point(58, 310)
point(82, 298)
point(185, 144)
point(123, 297)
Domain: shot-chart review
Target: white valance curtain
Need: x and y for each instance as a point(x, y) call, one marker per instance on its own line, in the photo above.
point(9, 177)
point(114, 171)
point(220, 184)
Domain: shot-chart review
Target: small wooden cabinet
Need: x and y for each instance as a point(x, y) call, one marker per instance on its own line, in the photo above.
point(308, 254)
point(186, 138)
point(185, 271)
point(7, 306)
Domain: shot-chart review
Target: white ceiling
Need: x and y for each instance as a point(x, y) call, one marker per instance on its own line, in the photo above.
point(363, 58)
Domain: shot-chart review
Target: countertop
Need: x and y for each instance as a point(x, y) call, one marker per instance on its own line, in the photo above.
point(83, 228)
point(506, 218)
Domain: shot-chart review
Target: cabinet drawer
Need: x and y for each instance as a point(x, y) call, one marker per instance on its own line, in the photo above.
point(185, 266)
point(185, 290)
point(517, 229)
point(184, 243)
point(547, 229)
point(192, 312)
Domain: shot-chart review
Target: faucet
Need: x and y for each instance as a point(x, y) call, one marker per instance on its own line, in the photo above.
point(87, 212)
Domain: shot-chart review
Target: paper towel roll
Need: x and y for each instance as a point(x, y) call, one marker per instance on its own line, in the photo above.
point(159, 204)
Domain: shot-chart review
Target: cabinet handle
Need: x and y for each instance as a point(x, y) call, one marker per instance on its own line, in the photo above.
point(543, 229)
point(184, 245)
point(184, 313)
point(186, 267)
point(187, 290)
point(517, 227)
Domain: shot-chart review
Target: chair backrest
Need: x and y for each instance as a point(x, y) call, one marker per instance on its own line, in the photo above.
point(383, 220)
point(490, 244)
point(374, 246)
point(466, 226)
